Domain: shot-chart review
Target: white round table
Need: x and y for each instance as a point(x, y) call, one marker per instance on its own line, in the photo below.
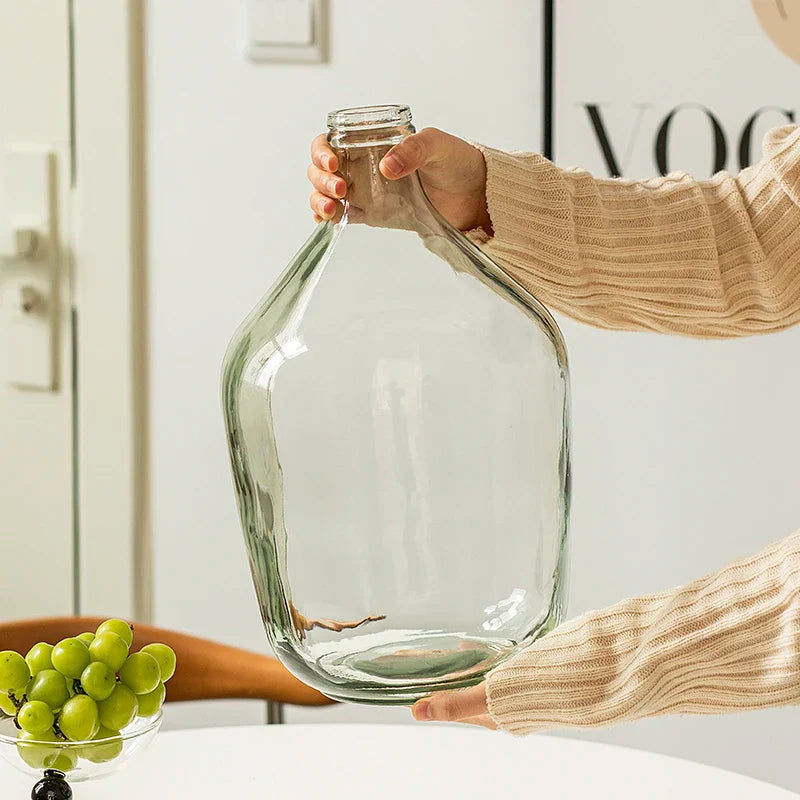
point(349, 762)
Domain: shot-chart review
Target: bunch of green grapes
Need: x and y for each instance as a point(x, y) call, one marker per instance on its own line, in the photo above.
point(86, 688)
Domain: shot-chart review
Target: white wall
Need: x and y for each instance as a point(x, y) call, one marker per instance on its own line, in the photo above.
point(685, 451)
point(228, 148)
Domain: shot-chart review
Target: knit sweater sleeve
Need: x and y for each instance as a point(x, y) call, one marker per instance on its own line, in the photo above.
point(714, 258)
point(727, 642)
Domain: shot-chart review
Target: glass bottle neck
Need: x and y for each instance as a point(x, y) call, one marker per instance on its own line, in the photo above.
point(361, 138)
point(372, 198)
point(369, 126)
point(346, 139)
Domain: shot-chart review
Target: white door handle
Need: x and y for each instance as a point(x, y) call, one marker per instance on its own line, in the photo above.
point(29, 268)
point(30, 299)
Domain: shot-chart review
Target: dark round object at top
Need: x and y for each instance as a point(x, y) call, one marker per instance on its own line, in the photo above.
point(52, 787)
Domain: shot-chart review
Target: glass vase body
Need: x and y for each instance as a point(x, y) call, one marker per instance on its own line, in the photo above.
point(397, 411)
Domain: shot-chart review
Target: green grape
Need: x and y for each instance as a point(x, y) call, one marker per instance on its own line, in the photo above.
point(165, 656)
point(119, 709)
point(35, 717)
point(38, 657)
point(50, 687)
point(79, 718)
point(140, 673)
point(150, 703)
point(110, 649)
point(70, 657)
point(38, 755)
point(106, 750)
point(86, 637)
point(7, 705)
point(14, 672)
point(98, 680)
point(122, 629)
point(65, 761)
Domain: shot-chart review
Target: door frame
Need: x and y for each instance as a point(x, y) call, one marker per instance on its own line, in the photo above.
point(108, 260)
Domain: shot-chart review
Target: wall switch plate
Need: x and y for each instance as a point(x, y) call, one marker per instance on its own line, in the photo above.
point(286, 31)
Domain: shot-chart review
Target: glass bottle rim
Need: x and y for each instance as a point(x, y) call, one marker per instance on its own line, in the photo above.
point(365, 118)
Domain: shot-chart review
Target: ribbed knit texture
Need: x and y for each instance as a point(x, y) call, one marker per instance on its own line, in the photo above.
point(727, 642)
point(712, 258)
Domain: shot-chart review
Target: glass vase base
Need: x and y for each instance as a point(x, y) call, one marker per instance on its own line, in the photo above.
point(404, 666)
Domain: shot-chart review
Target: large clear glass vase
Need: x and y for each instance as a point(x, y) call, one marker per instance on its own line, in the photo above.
point(397, 412)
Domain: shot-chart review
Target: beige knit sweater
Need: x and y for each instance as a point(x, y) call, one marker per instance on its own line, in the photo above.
point(711, 258)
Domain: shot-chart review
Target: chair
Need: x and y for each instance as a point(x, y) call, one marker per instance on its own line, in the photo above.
point(206, 670)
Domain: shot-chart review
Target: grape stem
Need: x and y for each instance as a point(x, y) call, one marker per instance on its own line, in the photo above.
point(17, 703)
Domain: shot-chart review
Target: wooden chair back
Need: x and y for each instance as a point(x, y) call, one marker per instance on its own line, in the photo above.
point(207, 670)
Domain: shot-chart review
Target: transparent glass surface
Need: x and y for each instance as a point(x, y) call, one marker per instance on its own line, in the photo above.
point(398, 420)
point(79, 761)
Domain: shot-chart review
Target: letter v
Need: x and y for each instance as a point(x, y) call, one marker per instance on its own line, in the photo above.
point(599, 127)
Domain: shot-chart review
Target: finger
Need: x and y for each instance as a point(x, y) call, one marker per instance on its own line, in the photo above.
point(317, 218)
point(322, 205)
point(322, 155)
point(452, 706)
point(414, 152)
point(325, 183)
point(484, 721)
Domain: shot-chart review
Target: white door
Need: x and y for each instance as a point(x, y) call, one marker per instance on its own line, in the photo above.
point(36, 375)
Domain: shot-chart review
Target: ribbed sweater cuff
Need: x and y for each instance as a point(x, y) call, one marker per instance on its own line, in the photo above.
point(530, 210)
point(727, 642)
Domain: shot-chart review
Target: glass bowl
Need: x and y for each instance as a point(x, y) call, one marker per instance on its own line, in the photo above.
point(79, 761)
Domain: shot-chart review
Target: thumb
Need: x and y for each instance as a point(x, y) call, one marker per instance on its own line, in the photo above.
point(413, 153)
point(452, 706)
